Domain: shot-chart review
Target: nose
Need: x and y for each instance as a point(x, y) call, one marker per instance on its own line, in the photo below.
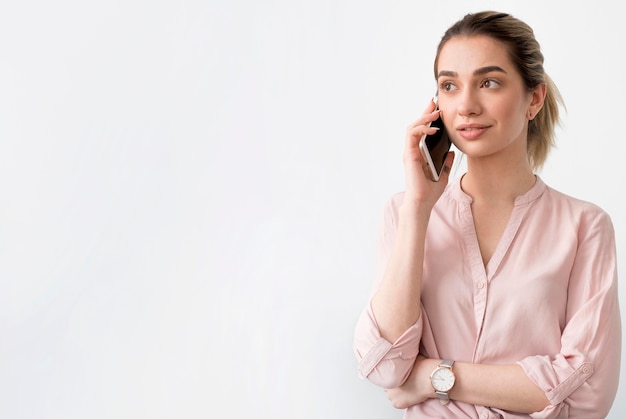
point(469, 103)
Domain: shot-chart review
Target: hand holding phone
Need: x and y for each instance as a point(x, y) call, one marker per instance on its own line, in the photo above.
point(434, 149)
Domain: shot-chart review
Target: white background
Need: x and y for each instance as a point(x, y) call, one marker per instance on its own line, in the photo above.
point(190, 192)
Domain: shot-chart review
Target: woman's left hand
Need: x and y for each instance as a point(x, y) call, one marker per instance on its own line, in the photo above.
point(417, 387)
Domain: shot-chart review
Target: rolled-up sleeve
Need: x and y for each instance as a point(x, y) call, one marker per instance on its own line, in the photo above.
point(382, 362)
point(581, 381)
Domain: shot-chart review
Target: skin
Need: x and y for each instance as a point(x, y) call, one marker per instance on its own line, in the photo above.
point(486, 109)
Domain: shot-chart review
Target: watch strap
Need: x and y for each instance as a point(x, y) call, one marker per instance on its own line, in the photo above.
point(446, 363)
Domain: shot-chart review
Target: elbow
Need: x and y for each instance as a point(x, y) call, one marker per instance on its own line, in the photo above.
point(538, 405)
point(586, 402)
point(387, 379)
point(386, 373)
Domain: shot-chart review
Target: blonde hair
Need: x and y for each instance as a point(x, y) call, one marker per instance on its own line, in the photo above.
point(525, 52)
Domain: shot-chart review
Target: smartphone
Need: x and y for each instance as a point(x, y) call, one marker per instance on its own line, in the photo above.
point(435, 148)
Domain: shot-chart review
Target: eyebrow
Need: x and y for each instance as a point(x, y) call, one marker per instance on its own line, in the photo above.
point(478, 72)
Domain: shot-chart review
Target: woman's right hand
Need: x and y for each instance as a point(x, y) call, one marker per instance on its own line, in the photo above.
point(420, 189)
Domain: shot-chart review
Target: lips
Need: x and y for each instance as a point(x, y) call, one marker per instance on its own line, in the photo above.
point(471, 131)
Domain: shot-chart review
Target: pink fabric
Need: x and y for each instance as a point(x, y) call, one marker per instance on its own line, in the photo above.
point(547, 300)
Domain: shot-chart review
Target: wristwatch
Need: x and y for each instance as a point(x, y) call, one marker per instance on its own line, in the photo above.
point(442, 379)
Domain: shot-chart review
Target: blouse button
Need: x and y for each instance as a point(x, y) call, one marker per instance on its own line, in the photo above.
point(480, 285)
point(586, 369)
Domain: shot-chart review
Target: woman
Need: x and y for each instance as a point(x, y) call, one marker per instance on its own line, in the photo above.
point(502, 288)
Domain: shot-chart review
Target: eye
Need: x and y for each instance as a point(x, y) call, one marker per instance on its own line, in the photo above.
point(447, 86)
point(490, 84)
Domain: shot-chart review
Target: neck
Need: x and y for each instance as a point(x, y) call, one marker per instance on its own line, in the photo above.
point(497, 181)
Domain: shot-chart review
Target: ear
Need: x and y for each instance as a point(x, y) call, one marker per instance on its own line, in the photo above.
point(538, 96)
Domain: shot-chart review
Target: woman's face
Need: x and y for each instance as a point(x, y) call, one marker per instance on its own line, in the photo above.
point(482, 97)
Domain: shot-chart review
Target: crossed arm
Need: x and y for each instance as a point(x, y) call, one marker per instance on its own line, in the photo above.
point(505, 387)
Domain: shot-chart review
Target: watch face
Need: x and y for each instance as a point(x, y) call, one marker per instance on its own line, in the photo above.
point(442, 379)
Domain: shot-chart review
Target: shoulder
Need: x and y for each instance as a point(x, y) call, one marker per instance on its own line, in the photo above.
point(576, 204)
point(580, 211)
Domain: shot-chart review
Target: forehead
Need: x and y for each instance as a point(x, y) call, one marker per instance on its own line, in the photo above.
point(463, 55)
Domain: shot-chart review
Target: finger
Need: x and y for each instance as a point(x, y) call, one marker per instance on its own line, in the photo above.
point(426, 118)
point(431, 106)
point(416, 133)
point(431, 111)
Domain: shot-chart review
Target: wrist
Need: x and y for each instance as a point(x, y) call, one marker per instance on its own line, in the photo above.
point(415, 209)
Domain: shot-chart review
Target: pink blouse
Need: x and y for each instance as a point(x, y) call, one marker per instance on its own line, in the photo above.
point(547, 300)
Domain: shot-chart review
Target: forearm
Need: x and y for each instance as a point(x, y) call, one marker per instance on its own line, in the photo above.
point(501, 386)
point(396, 304)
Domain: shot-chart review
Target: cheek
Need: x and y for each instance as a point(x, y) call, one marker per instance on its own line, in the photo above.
point(513, 116)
